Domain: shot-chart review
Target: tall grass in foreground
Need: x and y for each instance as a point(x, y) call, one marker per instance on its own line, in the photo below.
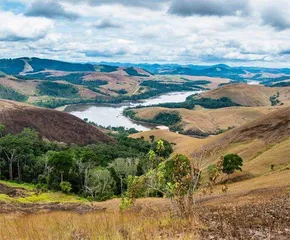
point(65, 225)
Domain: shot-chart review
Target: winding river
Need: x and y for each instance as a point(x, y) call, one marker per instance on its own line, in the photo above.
point(112, 114)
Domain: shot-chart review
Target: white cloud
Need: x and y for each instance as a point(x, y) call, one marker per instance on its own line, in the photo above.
point(137, 33)
point(18, 27)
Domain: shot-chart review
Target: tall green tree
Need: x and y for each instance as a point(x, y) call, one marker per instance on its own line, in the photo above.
point(18, 148)
point(61, 163)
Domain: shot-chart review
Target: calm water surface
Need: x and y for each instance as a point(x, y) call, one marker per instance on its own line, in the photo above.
point(112, 115)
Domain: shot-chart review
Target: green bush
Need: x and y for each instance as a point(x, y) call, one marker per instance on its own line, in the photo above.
point(65, 187)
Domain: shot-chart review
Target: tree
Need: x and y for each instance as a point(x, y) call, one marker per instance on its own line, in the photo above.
point(62, 163)
point(100, 184)
point(176, 178)
point(214, 171)
point(163, 148)
point(123, 168)
point(17, 148)
point(231, 163)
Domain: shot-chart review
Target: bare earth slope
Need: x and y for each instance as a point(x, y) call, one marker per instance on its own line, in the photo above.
point(51, 124)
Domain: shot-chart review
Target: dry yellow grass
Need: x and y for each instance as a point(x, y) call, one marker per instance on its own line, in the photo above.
point(24, 87)
point(261, 143)
point(106, 226)
point(210, 121)
point(249, 95)
point(181, 143)
point(219, 215)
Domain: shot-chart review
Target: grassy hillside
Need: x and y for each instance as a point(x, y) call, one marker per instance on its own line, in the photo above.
point(248, 95)
point(204, 122)
point(262, 142)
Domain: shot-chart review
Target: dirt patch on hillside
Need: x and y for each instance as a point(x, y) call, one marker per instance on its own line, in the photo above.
point(12, 192)
point(29, 208)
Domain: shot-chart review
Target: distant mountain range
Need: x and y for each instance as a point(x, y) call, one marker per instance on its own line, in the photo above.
point(29, 65)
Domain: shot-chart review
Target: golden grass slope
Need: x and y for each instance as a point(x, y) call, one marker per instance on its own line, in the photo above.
point(209, 121)
point(248, 95)
point(261, 143)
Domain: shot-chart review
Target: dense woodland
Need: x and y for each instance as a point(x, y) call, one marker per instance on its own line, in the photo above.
point(98, 171)
point(57, 90)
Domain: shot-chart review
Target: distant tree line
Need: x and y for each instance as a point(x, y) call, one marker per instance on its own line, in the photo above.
point(57, 90)
point(10, 94)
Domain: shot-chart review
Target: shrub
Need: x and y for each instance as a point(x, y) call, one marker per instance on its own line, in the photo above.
point(65, 187)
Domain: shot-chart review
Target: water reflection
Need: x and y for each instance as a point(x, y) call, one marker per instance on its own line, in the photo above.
point(112, 114)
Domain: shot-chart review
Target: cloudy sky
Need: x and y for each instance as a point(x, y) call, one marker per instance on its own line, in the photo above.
point(236, 32)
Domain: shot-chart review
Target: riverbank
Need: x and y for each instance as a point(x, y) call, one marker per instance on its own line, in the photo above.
point(112, 114)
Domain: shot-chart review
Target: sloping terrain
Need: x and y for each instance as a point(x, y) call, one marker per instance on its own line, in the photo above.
point(203, 122)
point(248, 95)
point(261, 143)
point(180, 143)
point(51, 124)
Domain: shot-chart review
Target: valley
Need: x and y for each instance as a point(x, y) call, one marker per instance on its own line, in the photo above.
point(100, 160)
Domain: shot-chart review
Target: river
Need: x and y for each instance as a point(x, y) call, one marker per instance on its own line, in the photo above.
point(112, 114)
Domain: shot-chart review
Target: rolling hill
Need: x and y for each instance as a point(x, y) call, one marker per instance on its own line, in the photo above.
point(249, 95)
point(204, 122)
point(262, 143)
point(50, 124)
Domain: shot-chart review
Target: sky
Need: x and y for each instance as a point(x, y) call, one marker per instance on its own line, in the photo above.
point(234, 32)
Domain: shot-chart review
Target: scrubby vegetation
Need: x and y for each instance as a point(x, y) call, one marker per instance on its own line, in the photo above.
point(10, 94)
point(275, 99)
point(57, 90)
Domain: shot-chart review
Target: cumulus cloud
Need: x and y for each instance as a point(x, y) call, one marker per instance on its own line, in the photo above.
point(209, 7)
point(49, 9)
point(276, 17)
point(228, 31)
point(151, 4)
point(106, 23)
point(22, 28)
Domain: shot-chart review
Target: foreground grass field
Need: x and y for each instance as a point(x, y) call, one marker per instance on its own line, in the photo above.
point(250, 210)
